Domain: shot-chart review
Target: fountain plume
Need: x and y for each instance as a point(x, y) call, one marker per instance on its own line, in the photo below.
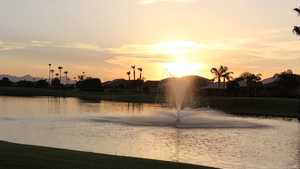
point(179, 93)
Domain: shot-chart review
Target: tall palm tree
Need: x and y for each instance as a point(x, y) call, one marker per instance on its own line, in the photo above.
point(66, 75)
point(296, 29)
point(219, 73)
point(83, 75)
point(128, 74)
point(141, 70)
point(133, 68)
point(51, 75)
point(60, 69)
point(49, 78)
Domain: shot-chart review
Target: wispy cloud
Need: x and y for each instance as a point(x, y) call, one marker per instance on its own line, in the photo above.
point(7, 46)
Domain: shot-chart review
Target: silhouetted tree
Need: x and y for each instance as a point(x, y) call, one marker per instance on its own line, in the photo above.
point(250, 78)
point(5, 82)
point(287, 80)
point(49, 78)
point(253, 81)
point(66, 75)
point(141, 71)
point(51, 74)
point(41, 84)
point(296, 29)
point(60, 69)
point(128, 74)
point(90, 84)
point(83, 75)
point(25, 83)
point(226, 75)
point(221, 72)
point(133, 68)
point(55, 83)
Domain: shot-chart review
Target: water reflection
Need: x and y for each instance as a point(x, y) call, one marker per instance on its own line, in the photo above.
point(218, 139)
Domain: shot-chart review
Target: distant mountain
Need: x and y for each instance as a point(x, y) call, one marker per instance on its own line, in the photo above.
point(30, 78)
point(18, 78)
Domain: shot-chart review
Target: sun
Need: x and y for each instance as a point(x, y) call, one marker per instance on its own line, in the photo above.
point(179, 53)
point(182, 68)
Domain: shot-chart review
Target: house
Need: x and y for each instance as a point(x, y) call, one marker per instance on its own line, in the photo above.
point(288, 85)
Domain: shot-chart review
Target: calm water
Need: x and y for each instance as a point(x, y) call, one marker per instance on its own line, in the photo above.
point(204, 136)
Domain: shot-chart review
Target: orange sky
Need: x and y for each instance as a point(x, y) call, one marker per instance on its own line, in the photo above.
point(165, 37)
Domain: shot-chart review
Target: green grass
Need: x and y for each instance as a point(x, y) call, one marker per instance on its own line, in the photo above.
point(17, 156)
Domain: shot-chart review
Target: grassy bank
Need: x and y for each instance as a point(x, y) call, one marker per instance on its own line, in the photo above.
point(17, 156)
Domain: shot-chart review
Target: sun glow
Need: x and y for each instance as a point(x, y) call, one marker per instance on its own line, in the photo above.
point(176, 48)
point(180, 53)
point(182, 68)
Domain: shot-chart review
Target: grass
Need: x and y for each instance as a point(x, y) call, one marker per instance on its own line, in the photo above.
point(17, 156)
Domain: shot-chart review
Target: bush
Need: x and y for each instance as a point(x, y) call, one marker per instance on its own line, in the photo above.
point(24, 83)
point(41, 84)
point(5, 82)
point(55, 83)
point(91, 84)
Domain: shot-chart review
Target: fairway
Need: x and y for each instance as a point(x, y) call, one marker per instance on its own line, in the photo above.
point(17, 156)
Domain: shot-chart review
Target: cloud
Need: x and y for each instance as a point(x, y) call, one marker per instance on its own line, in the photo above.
point(7, 46)
point(273, 50)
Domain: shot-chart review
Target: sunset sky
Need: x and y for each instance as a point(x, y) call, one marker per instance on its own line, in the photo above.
point(165, 37)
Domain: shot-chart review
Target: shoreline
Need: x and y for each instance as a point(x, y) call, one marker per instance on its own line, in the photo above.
point(20, 156)
point(244, 106)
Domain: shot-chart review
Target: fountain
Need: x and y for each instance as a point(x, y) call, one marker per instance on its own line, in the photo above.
point(178, 92)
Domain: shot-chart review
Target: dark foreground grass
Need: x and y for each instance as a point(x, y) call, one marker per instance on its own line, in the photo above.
point(17, 156)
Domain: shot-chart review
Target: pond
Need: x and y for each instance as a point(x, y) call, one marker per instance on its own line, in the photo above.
point(203, 136)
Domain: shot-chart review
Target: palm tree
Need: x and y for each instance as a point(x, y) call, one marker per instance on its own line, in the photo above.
point(133, 68)
point(219, 73)
point(51, 76)
point(49, 73)
point(83, 75)
point(227, 76)
point(66, 75)
point(141, 70)
point(296, 29)
point(128, 74)
point(60, 69)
